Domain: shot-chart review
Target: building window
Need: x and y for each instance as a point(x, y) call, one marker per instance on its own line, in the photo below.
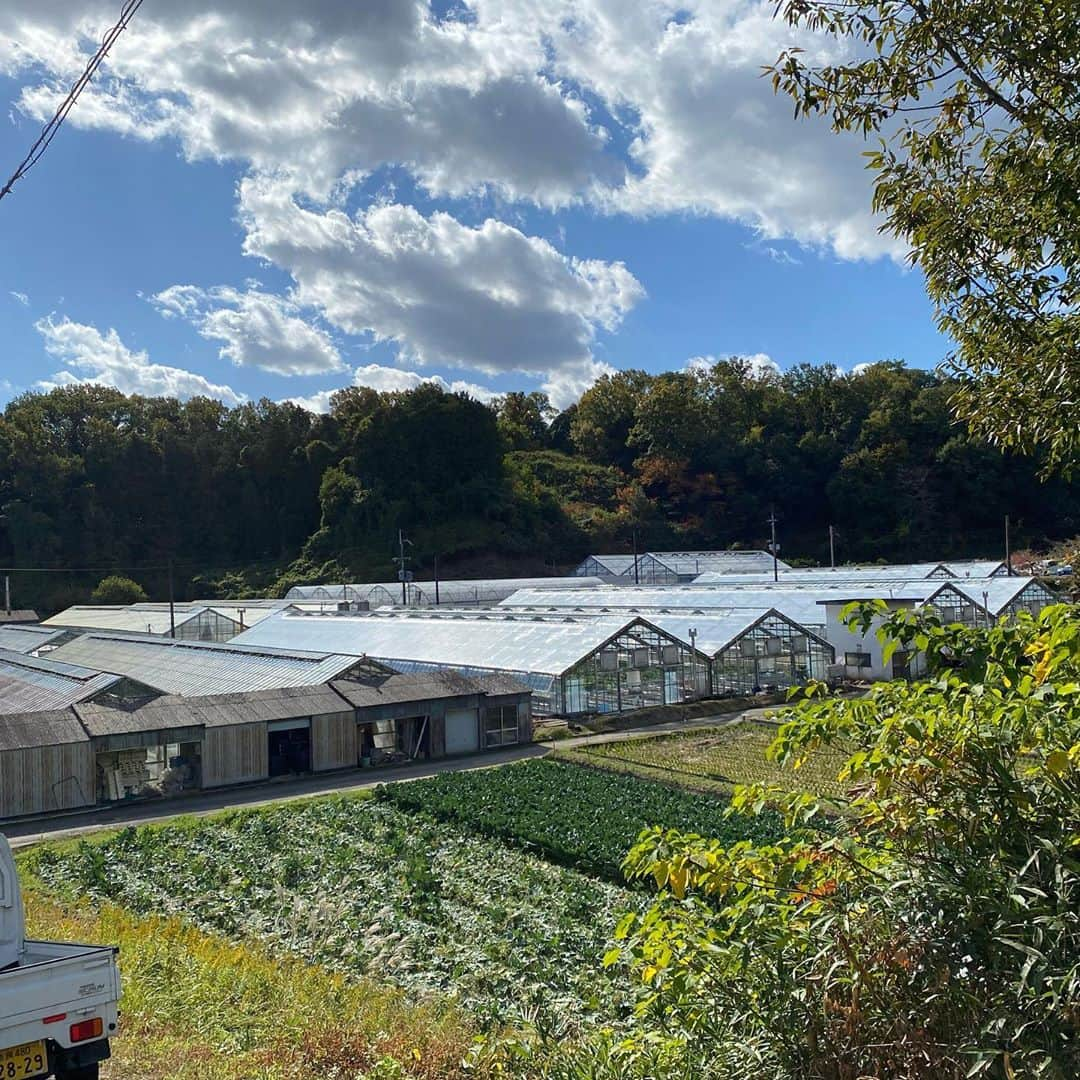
point(500, 726)
point(857, 659)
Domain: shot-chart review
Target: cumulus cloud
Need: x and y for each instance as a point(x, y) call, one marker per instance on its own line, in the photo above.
point(259, 329)
point(488, 298)
point(762, 365)
point(641, 108)
point(105, 359)
point(390, 379)
point(20, 298)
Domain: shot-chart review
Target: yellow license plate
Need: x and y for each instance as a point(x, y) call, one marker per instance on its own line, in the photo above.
point(17, 1062)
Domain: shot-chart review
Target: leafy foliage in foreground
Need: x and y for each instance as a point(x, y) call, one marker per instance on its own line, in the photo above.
point(364, 888)
point(937, 932)
point(576, 816)
point(977, 105)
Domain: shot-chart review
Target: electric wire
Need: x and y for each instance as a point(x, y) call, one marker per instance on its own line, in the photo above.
point(49, 132)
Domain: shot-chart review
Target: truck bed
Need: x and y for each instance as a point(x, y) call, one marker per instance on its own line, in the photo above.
point(54, 979)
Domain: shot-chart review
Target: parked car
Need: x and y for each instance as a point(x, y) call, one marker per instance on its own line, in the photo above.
point(58, 1002)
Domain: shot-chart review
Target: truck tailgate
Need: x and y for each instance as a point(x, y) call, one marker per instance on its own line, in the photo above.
point(55, 978)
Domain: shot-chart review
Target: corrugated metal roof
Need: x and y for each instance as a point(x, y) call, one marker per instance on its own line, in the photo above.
point(36, 684)
point(25, 639)
point(498, 683)
point(194, 668)
point(22, 615)
point(493, 640)
point(215, 710)
point(123, 619)
point(57, 727)
point(399, 688)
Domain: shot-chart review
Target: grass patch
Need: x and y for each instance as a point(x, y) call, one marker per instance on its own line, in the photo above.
point(197, 1007)
point(712, 760)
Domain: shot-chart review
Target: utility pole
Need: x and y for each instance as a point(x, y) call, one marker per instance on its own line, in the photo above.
point(7, 593)
point(637, 577)
point(772, 545)
point(1008, 549)
point(436, 580)
point(403, 561)
point(832, 548)
point(172, 609)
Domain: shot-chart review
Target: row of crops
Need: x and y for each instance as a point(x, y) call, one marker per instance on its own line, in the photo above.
point(499, 887)
point(577, 817)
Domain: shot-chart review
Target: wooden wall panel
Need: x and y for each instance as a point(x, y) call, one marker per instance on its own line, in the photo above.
point(40, 779)
point(231, 755)
point(333, 741)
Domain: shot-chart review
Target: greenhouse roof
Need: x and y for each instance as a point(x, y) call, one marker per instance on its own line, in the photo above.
point(1000, 591)
point(151, 620)
point(35, 684)
point(20, 638)
point(488, 590)
point(895, 572)
point(684, 562)
point(717, 632)
point(230, 609)
point(195, 668)
point(488, 640)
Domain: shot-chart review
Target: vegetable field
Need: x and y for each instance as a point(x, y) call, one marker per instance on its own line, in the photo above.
point(363, 887)
point(712, 759)
point(578, 817)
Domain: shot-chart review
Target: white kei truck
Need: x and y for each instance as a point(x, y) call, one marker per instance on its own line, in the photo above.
point(58, 1002)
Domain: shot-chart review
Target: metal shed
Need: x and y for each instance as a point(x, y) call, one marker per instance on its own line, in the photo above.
point(46, 763)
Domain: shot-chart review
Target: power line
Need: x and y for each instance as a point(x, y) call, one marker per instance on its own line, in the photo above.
point(49, 131)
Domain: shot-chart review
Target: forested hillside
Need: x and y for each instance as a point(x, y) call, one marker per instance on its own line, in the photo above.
point(264, 495)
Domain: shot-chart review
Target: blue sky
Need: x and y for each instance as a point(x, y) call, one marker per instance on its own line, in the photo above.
point(499, 203)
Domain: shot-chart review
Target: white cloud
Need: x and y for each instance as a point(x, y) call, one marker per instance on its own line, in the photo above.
point(105, 359)
point(259, 329)
point(390, 379)
point(21, 298)
point(488, 298)
point(565, 385)
point(646, 108)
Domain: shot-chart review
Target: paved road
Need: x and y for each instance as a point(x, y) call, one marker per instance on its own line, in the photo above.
point(208, 802)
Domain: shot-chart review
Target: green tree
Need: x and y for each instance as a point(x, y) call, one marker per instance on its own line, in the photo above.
point(523, 419)
point(117, 589)
point(928, 924)
point(977, 103)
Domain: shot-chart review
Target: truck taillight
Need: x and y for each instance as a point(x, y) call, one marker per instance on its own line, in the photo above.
point(86, 1029)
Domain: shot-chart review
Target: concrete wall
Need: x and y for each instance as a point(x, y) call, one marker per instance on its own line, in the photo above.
point(40, 779)
point(233, 754)
point(847, 641)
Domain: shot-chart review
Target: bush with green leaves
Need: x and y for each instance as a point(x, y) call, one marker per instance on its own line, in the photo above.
point(936, 933)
